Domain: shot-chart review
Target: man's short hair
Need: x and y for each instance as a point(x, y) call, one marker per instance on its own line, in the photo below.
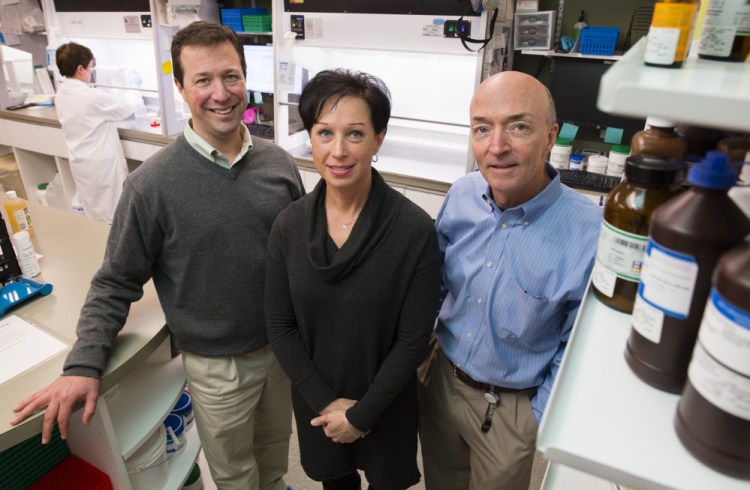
point(203, 33)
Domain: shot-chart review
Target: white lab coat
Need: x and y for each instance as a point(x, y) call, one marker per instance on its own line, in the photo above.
point(88, 117)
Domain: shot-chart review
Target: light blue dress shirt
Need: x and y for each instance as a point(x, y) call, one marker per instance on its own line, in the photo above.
point(513, 281)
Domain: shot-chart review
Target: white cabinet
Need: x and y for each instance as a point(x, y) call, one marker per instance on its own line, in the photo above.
point(127, 418)
point(56, 141)
point(136, 150)
point(427, 200)
point(310, 178)
point(27, 137)
point(601, 419)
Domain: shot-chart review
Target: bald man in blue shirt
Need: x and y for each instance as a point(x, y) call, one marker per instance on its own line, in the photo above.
point(518, 248)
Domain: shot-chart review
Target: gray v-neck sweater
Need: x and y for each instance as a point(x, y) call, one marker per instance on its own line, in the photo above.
point(200, 231)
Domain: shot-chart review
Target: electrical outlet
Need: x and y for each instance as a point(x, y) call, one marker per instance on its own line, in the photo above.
point(449, 28)
point(298, 26)
point(452, 28)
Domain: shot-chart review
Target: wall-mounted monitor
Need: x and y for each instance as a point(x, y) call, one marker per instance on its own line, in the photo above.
point(259, 60)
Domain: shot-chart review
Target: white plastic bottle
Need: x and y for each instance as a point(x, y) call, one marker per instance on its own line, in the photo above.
point(76, 205)
point(41, 193)
point(26, 254)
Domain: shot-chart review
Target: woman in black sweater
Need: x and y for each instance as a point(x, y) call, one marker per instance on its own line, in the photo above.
point(352, 288)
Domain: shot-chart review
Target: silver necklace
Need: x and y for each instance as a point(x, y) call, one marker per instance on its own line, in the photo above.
point(345, 224)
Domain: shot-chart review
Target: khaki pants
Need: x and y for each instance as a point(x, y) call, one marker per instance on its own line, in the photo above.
point(456, 454)
point(243, 413)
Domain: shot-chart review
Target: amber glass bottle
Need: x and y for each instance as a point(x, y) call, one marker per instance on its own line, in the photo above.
point(648, 183)
point(670, 32)
point(659, 139)
point(736, 147)
point(725, 35)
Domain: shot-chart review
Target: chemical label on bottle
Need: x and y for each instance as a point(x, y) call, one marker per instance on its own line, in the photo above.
point(621, 252)
point(21, 217)
point(614, 168)
point(725, 333)
point(603, 279)
point(716, 41)
point(724, 20)
point(670, 32)
point(661, 45)
point(576, 162)
point(647, 320)
point(721, 386)
point(668, 280)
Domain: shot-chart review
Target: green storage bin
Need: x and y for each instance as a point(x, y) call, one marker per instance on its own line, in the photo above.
point(28, 461)
point(256, 23)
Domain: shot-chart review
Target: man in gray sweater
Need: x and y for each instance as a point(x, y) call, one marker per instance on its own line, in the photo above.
point(195, 218)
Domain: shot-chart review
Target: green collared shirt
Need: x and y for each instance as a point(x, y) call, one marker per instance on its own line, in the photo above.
point(201, 146)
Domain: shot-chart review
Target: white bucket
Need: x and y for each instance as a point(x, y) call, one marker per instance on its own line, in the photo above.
point(175, 437)
point(147, 467)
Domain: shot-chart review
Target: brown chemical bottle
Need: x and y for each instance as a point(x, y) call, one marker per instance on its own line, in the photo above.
point(712, 421)
point(687, 236)
point(736, 147)
point(648, 183)
point(700, 140)
point(725, 35)
point(659, 139)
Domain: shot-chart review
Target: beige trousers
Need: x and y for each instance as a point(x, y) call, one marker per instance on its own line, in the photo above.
point(456, 454)
point(243, 413)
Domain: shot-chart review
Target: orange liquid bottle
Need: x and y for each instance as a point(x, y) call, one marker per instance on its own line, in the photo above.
point(18, 213)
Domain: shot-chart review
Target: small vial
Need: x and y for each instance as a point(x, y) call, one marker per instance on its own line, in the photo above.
point(576, 162)
point(26, 254)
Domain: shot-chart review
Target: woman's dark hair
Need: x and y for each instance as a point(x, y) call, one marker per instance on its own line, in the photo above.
point(203, 33)
point(70, 56)
point(340, 83)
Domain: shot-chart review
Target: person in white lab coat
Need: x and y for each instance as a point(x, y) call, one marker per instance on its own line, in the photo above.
point(88, 117)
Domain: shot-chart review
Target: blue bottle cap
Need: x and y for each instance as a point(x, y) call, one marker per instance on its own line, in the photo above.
point(713, 172)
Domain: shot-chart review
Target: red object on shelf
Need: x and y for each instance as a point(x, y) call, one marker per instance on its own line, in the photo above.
point(155, 124)
point(73, 474)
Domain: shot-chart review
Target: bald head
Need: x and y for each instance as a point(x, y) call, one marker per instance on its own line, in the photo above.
point(521, 85)
point(513, 128)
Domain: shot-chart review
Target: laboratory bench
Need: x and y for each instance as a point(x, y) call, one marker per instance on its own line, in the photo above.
point(39, 147)
point(141, 379)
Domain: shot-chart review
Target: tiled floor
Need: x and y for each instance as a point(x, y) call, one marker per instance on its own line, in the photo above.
point(299, 481)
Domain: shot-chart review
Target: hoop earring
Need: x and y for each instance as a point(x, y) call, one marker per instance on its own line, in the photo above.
point(375, 158)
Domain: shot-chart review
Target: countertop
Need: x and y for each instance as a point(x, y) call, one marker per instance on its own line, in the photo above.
point(72, 247)
point(132, 129)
